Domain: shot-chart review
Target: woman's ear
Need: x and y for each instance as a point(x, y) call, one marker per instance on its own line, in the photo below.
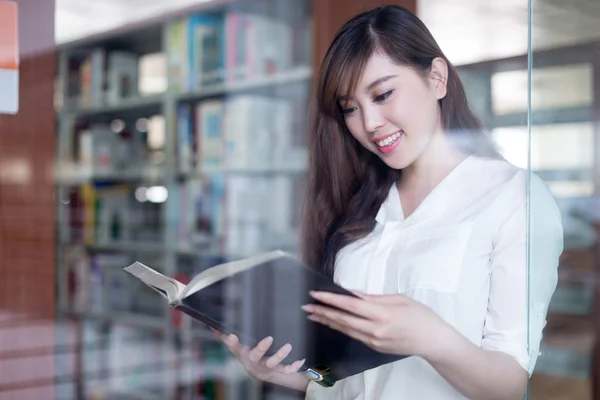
point(439, 77)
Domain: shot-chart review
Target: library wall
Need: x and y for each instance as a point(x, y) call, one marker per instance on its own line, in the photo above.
point(27, 213)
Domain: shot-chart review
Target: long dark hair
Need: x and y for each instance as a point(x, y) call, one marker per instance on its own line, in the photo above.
point(347, 184)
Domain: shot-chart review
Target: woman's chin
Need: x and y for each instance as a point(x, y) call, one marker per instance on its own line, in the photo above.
point(396, 162)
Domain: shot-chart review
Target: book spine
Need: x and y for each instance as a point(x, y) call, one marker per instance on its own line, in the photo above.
point(202, 318)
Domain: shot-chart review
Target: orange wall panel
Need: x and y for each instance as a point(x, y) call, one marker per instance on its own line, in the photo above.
point(27, 210)
point(8, 35)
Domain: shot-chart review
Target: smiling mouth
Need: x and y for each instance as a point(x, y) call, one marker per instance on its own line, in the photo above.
point(390, 140)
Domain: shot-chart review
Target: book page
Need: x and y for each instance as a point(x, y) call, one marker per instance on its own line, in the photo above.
point(168, 287)
point(222, 271)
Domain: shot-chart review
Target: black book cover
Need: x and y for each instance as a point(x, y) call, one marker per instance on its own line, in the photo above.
point(270, 296)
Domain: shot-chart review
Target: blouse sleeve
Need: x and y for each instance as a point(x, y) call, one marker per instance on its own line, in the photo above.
point(524, 276)
point(314, 391)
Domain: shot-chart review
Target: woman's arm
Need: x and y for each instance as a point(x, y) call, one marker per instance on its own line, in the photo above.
point(477, 373)
point(292, 381)
point(520, 290)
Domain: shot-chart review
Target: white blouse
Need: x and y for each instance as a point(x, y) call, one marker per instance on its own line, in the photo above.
point(464, 253)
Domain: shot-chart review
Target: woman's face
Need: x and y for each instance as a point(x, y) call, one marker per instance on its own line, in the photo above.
point(394, 112)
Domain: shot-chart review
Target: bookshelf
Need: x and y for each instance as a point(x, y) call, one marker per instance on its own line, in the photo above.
point(180, 143)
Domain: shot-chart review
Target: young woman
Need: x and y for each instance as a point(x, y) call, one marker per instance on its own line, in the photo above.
point(410, 205)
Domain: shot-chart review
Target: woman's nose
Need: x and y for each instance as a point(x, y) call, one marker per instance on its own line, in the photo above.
point(372, 120)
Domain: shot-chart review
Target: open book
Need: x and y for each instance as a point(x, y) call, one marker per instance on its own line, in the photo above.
point(262, 296)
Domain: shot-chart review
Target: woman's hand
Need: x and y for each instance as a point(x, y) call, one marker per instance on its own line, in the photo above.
point(396, 324)
point(393, 324)
point(266, 369)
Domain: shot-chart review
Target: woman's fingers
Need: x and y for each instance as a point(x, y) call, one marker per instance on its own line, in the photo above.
point(261, 348)
point(243, 353)
point(230, 340)
point(294, 367)
point(278, 357)
point(232, 343)
point(274, 361)
point(255, 355)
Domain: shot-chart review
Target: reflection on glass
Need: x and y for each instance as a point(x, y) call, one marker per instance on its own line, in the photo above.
point(553, 147)
point(553, 87)
point(566, 188)
point(561, 154)
point(131, 182)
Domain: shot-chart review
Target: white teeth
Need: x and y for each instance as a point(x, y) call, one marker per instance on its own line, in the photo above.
point(389, 140)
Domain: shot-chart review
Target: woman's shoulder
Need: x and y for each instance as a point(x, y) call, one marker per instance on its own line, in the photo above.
point(516, 186)
point(516, 179)
point(499, 168)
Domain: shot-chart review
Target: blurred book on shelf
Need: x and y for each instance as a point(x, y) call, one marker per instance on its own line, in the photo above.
point(202, 50)
point(181, 144)
point(216, 48)
point(109, 214)
point(240, 132)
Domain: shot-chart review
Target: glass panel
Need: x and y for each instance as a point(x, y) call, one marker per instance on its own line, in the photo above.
point(564, 154)
point(147, 132)
point(544, 119)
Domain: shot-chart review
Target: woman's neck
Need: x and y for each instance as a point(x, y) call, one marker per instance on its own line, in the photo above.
point(438, 159)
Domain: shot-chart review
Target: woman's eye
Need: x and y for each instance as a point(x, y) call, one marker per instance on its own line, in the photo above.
point(348, 111)
point(383, 96)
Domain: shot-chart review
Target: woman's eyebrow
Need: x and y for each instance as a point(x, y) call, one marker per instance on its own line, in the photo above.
point(370, 86)
point(378, 81)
